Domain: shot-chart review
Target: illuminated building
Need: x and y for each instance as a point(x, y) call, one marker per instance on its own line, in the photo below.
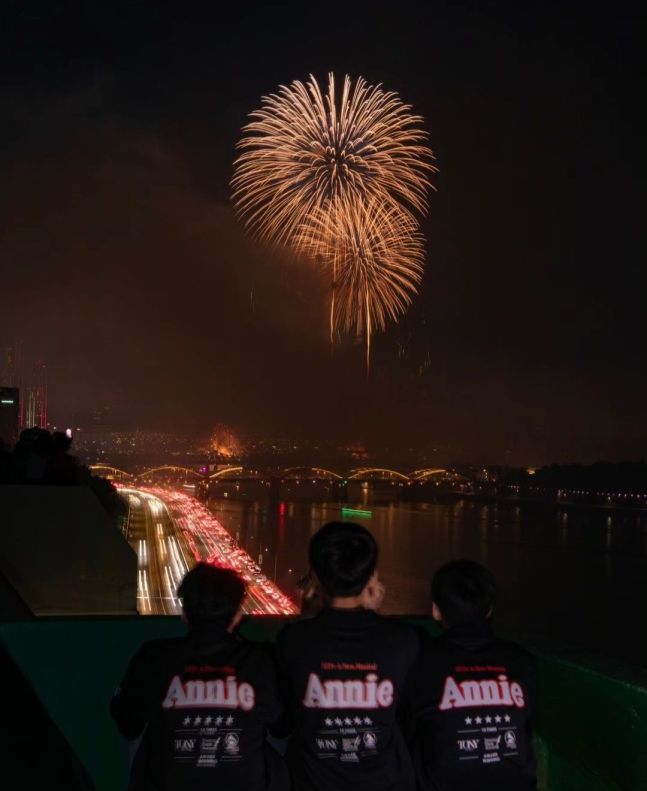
point(11, 373)
point(36, 407)
point(9, 414)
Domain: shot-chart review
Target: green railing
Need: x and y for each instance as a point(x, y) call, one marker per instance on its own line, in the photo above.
point(592, 732)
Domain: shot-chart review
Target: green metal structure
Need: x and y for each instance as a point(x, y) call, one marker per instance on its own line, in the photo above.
point(591, 735)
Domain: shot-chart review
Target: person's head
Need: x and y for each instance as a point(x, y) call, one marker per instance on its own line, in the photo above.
point(211, 595)
point(343, 557)
point(463, 592)
point(61, 443)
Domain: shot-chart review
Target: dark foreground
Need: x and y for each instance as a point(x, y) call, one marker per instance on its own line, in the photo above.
point(59, 676)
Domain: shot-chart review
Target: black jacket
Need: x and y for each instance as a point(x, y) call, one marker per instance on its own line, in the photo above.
point(474, 702)
point(344, 674)
point(204, 703)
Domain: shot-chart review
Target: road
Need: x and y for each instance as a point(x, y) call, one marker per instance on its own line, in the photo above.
point(171, 531)
point(163, 557)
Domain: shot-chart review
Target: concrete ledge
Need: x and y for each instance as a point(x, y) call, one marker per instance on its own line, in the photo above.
point(62, 554)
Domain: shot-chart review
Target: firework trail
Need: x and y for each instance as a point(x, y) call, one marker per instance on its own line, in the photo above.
point(354, 165)
point(374, 253)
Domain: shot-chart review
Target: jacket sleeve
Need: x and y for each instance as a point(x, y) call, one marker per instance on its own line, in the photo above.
point(130, 703)
point(531, 690)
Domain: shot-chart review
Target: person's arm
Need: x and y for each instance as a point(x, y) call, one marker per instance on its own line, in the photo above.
point(531, 692)
point(130, 703)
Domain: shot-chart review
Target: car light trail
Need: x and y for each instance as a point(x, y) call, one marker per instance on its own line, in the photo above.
point(142, 554)
point(143, 594)
point(211, 543)
point(179, 566)
point(172, 585)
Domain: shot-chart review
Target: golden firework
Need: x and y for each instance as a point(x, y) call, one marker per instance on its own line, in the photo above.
point(341, 176)
point(374, 253)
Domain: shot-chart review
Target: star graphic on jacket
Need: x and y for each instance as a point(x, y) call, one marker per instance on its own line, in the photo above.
point(507, 718)
point(468, 720)
point(488, 719)
point(207, 720)
point(328, 721)
point(229, 720)
point(348, 721)
point(497, 718)
point(186, 721)
point(357, 720)
point(197, 720)
point(218, 720)
point(338, 721)
point(478, 720)
point(368, 721)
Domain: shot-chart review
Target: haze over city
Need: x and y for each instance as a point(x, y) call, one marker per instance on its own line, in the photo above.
point(129, 274)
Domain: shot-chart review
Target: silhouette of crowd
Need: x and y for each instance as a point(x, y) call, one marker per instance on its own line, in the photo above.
point(43, 458)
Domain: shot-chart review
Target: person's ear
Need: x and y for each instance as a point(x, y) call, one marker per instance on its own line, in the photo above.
point(436, 613)
point(236, 619)
point(373, 594)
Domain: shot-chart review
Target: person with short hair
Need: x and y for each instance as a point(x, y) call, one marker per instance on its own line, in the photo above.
point(202, 704)
point(344, 673)
point(474, 694)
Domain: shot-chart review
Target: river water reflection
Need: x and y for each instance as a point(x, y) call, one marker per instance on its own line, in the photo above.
point(578, 576)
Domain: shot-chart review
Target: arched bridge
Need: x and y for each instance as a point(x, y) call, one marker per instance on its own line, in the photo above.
point(436, 475)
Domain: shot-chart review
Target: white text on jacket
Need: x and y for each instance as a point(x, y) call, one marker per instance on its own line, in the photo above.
point(371, 693)
point(486, 692)
point(220, 693)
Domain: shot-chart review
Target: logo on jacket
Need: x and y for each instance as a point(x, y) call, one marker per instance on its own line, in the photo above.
point(370, 740)
point(510, 739)
point(486, 692)
point(231, 743)
point(220, 693)
point(348, 694)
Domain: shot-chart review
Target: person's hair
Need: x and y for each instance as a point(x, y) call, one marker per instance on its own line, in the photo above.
point(210, 594)
point(343, 555)
point(464, 591)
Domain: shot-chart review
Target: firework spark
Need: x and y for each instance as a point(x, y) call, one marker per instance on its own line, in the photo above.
point(374, 252)
point(341, 176)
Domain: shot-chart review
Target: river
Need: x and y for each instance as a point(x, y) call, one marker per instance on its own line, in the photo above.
point(577, 576)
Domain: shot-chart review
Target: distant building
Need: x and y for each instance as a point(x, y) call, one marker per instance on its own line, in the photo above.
point(36, 407)
point(11, 373)
point(9, 414)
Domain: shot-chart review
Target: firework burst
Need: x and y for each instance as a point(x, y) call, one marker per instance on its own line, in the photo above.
point(374, 254)
point(340, 175)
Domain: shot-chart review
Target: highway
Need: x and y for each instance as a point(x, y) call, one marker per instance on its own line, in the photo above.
point(170, 531)
point(163, 556)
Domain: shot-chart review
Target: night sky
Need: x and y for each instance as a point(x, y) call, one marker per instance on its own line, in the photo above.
point(124, 267)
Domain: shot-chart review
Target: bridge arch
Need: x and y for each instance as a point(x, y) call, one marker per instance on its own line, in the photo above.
point(226, 471)
point(377, 473)
point(440, 475)
point(108, 468)
point(309, 472)
point(426, 473)
point(169, 468)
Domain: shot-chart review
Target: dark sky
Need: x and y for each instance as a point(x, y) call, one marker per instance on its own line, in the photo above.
point(124, 268)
